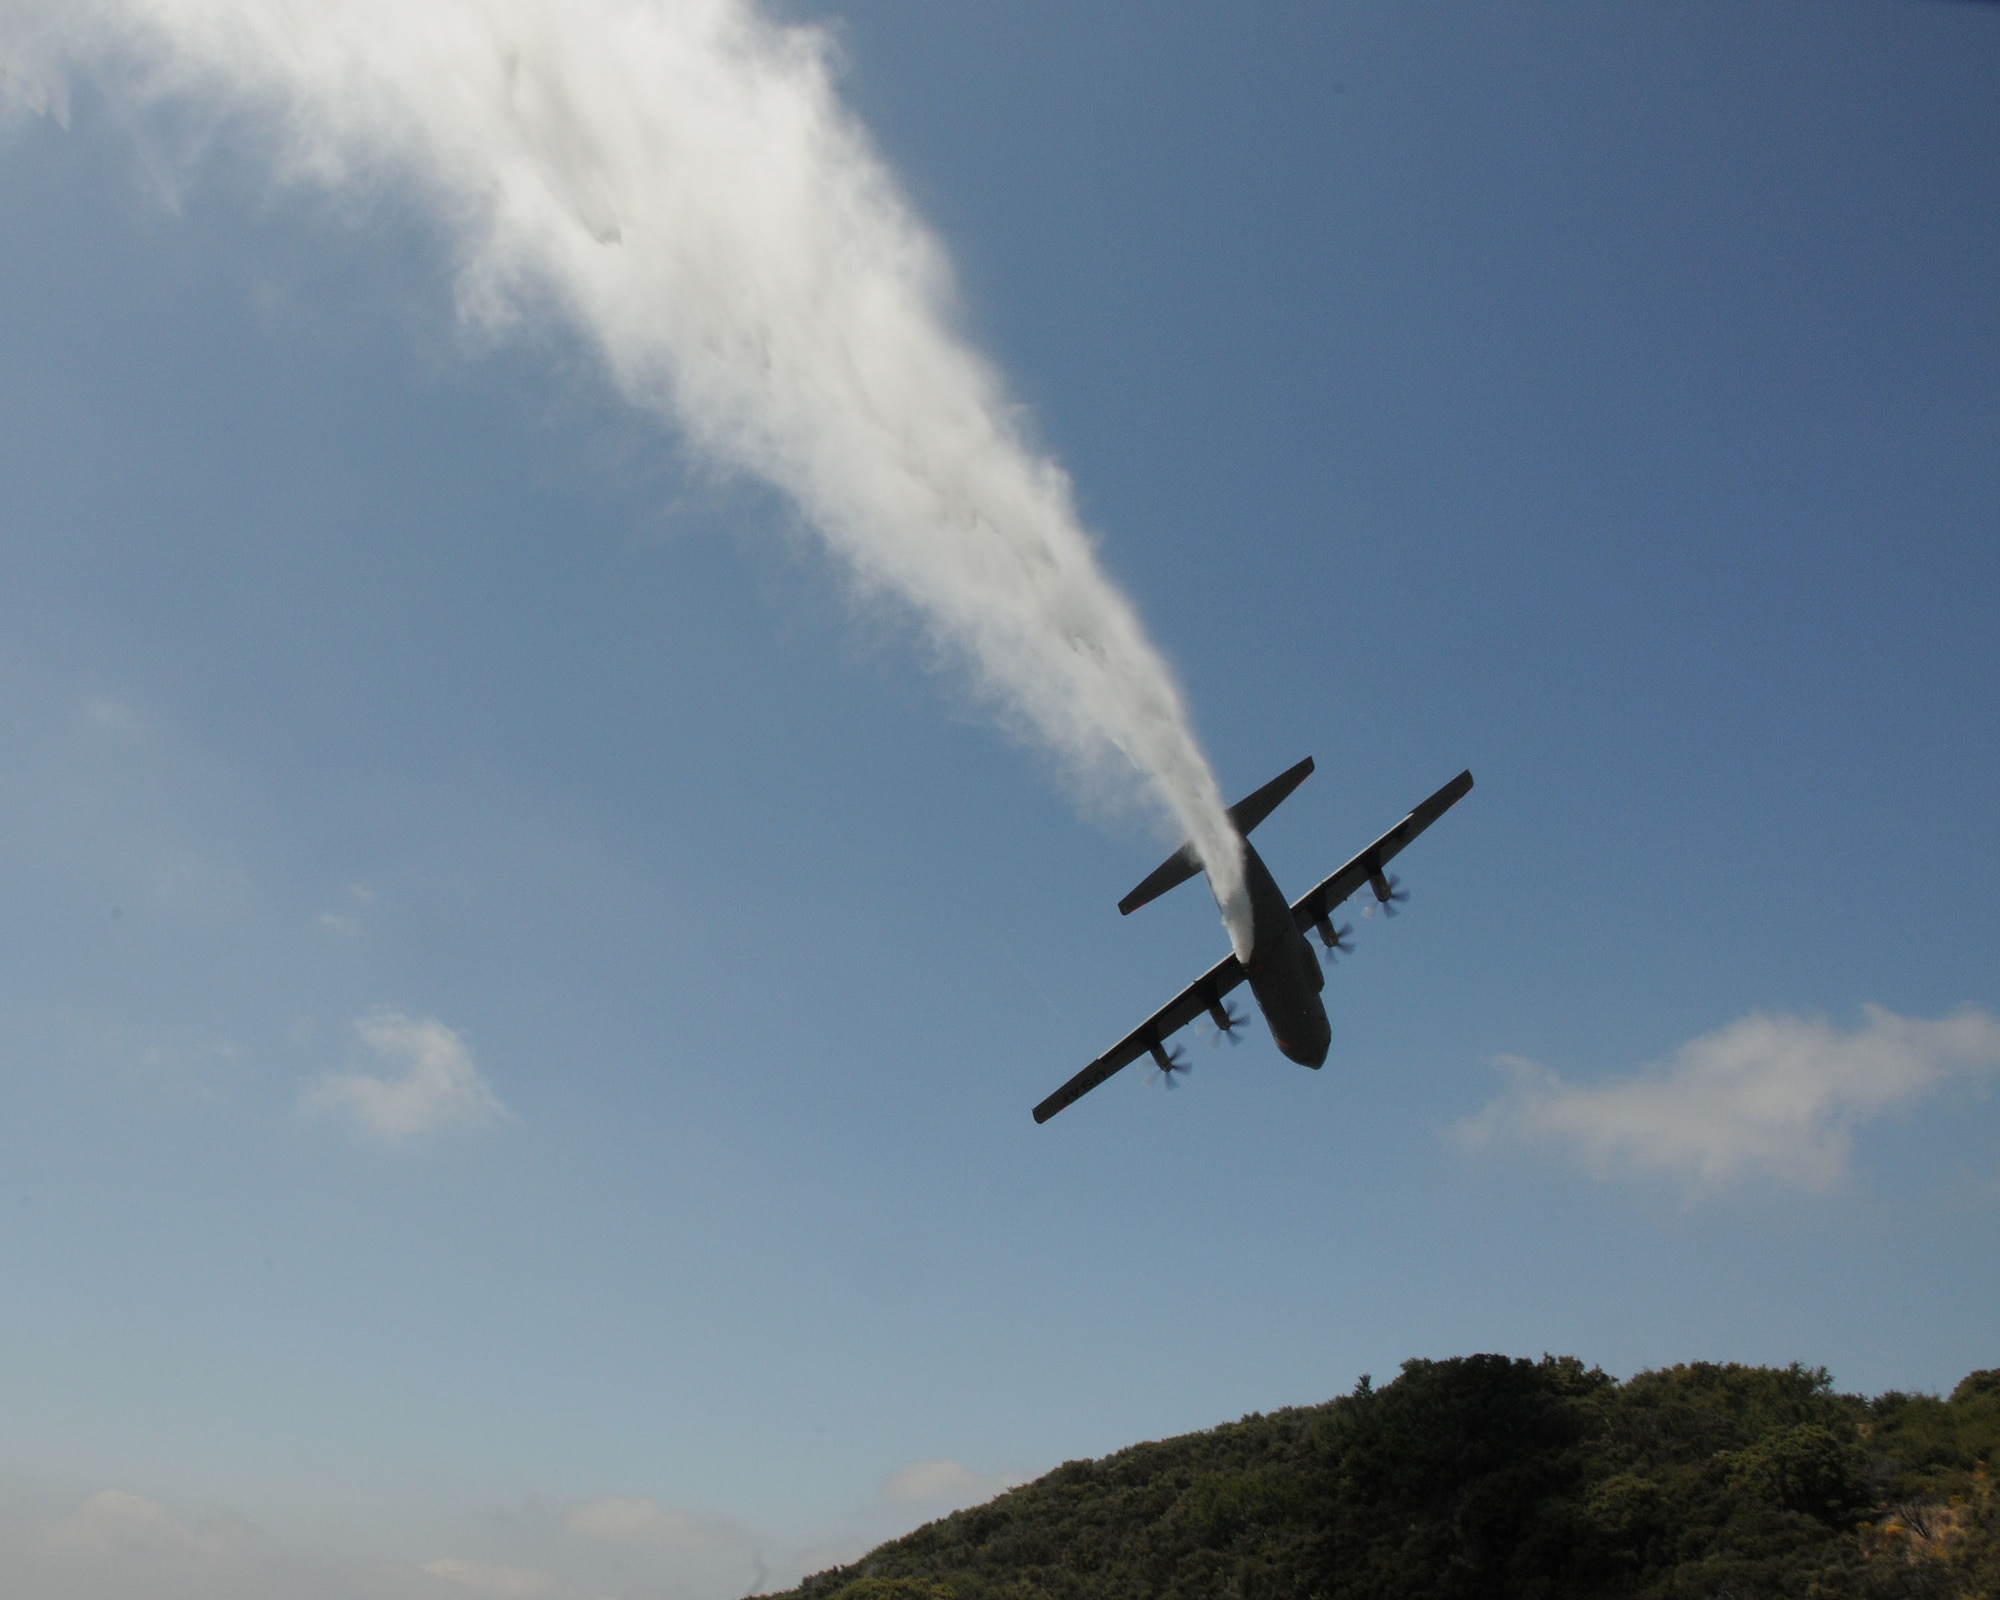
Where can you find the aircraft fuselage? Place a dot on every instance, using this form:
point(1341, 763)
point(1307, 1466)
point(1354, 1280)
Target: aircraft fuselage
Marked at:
point(1283, 971)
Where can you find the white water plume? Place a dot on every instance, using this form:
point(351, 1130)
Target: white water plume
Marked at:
point(679, 180)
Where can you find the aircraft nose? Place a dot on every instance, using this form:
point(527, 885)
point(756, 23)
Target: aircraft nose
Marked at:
point(1317, 1042)
point(1311, 1054)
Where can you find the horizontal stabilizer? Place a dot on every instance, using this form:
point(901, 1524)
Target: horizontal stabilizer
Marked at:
point(1245, 814)
point(1169, 874)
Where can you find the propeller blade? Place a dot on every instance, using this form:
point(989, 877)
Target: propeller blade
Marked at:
point(1170, 1062)
point(1390, 893)
point(1224, 1021)
point(1336, 942)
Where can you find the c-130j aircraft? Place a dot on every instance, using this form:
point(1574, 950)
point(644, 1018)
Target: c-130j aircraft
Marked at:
point(1283, 972)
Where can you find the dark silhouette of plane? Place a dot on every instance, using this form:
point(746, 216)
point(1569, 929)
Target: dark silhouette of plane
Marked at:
point(1283, 972)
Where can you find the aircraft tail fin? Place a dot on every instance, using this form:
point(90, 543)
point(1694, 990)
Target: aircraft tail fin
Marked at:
point(1254, 808)
point(1246, 814)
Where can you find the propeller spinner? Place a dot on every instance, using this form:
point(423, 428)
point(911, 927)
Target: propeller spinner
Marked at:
point(1169, 1061)
point(1337, 941)
point(1389, 893)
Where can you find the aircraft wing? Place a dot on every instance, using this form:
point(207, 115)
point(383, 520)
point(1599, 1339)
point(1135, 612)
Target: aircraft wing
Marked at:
point(1177, 1013)
point(1308, 909)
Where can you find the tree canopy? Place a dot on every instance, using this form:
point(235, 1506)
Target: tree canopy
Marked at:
point(1494, 1478)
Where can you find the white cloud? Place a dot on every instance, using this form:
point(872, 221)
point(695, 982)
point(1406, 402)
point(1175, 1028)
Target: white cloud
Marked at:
point(113, 1523)
point(499, 1582)
point(105, 712)
point(56, 1543)
point(1771, 1096)
point(347, 923)
point(116, 799)
point(439, 1086)
point(116, 1545)
point(941, 1484)
point(139, 1060)
point(646, 1522)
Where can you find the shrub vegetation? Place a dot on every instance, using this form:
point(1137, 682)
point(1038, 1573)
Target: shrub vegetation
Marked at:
point(1490, 1478)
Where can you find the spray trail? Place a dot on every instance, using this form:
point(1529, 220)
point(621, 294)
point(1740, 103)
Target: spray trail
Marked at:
point(679, 181)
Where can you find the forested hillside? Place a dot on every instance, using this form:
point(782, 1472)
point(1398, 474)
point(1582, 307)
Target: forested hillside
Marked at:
point(1486, 1477)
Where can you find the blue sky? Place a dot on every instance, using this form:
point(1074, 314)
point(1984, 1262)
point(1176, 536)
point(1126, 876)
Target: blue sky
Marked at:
point(1605, 399)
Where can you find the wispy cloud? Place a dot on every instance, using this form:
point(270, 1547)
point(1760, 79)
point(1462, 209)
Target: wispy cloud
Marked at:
point(499, 1582)
point(104, 712)
point(942, 1485)
point(140, 1061)
point(646, 1522)
point(346, 921)
point(113, 1523)
point(1770, 1096)
point(114, 1545)
point(119, 798)
point(438, 1086)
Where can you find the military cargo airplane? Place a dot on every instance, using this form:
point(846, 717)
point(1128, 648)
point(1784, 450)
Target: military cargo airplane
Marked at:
point(1283, 972)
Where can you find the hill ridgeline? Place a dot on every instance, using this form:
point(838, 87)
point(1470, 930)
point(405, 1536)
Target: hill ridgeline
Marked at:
point(1490, 1478)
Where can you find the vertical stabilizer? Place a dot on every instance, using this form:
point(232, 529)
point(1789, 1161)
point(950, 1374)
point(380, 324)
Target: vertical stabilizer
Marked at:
point(1245, 814)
